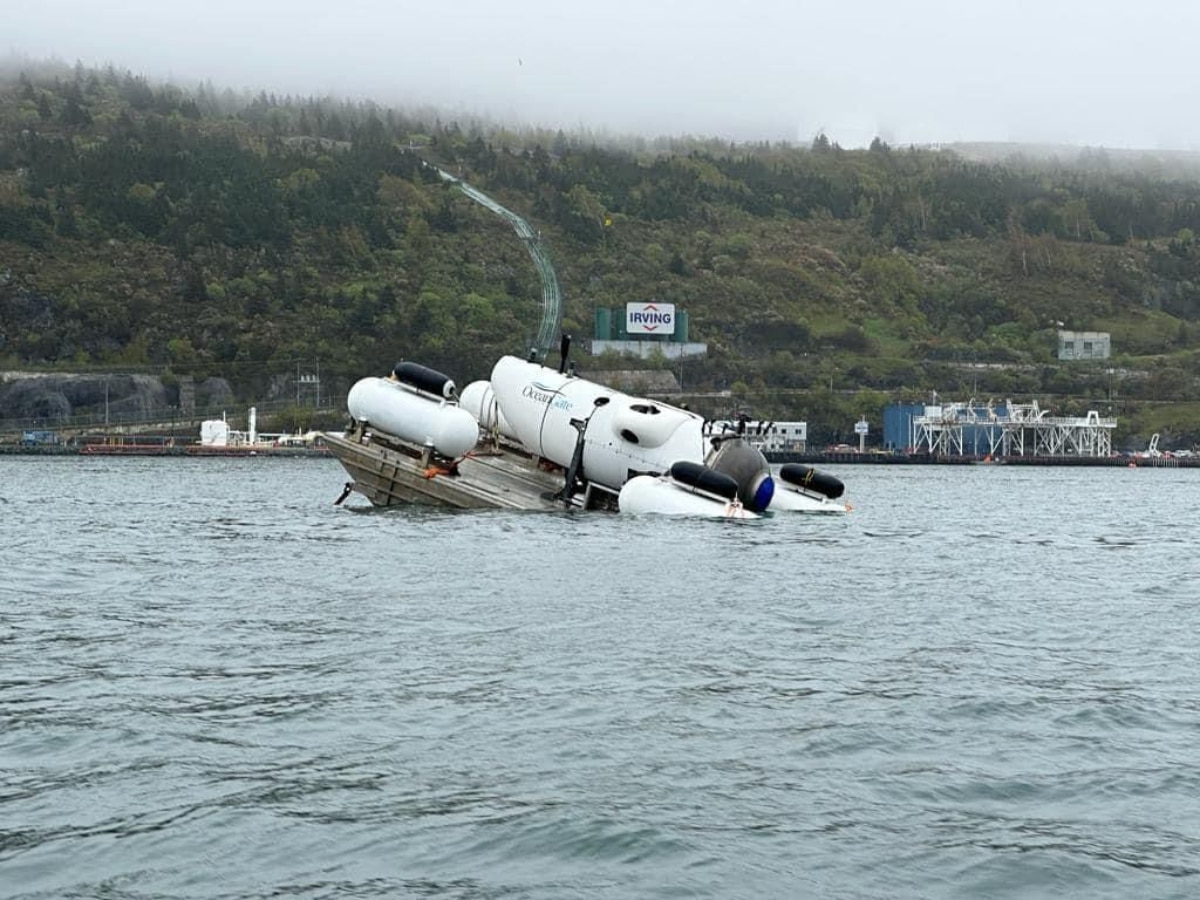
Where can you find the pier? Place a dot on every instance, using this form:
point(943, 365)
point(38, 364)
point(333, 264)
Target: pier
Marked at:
point(930, 459)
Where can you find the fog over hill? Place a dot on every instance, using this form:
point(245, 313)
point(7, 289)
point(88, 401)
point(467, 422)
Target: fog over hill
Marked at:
point(1167, 162)
point(1179, 162)
point(1160, 162)
point(1061, 72)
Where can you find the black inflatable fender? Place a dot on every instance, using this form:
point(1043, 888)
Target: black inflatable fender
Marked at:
point(810, 479)
point(701, 477)
point(425, 379)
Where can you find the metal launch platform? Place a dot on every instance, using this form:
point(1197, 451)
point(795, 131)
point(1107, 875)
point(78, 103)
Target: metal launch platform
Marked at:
point(389, 472)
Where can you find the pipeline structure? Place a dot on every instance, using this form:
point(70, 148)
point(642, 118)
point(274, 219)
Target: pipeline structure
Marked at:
point(551, 294)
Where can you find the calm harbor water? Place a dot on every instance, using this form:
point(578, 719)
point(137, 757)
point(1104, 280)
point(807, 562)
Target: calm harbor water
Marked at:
point(215, 683)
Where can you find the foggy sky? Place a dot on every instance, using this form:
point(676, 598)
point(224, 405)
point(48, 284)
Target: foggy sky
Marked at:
point(1098, 73)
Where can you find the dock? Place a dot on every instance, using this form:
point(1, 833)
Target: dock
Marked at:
point(392, 473)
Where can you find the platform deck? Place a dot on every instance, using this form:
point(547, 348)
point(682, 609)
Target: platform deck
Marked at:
point(486, 479)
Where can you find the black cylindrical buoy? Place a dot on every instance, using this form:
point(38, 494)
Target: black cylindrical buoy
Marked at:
point(703, 478)
point(425, 379)
point(810, 479)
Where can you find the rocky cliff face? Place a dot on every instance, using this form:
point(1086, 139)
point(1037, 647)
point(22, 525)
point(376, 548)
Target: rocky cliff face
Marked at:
point(54, 398)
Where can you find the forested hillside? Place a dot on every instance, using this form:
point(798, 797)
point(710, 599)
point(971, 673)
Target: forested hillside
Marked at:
point(194, 231)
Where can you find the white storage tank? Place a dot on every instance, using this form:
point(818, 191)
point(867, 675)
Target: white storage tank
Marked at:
point(214, 433)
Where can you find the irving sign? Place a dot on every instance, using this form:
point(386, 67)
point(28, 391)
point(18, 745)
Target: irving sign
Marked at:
point(650, 318)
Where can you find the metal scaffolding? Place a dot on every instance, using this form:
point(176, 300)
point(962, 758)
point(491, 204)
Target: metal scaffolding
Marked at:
point(1015, 429)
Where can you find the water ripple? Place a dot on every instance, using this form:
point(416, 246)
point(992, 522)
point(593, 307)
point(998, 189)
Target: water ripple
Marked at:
point(215, 684)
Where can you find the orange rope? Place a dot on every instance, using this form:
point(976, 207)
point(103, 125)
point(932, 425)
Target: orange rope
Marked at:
point(435, 471)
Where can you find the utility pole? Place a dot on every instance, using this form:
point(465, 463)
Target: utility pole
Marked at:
point(313, 380)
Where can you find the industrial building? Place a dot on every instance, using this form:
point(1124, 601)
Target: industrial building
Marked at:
point(1084, 345)
point(769, 437)
point(1009, 429)
point(644, 329)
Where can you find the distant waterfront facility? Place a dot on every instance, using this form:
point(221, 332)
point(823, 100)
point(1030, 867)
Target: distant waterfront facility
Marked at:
point(769, 437)
point(1009, 429)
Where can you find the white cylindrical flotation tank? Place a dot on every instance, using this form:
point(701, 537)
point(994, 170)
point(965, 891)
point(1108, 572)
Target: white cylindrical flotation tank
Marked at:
point(399, 410)
point(650, 495)
point(479, 400)
point(788, 499)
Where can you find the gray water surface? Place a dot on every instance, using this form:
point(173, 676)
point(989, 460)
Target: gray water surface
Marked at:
point(215, 683)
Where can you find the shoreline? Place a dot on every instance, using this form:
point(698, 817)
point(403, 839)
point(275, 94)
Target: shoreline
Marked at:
point(190, 451)
point(197, 451)
point(924, 459)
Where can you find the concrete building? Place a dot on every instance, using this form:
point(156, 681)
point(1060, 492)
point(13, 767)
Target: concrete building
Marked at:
point(643, 330)
point(1084, 345)
point(769, 437)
